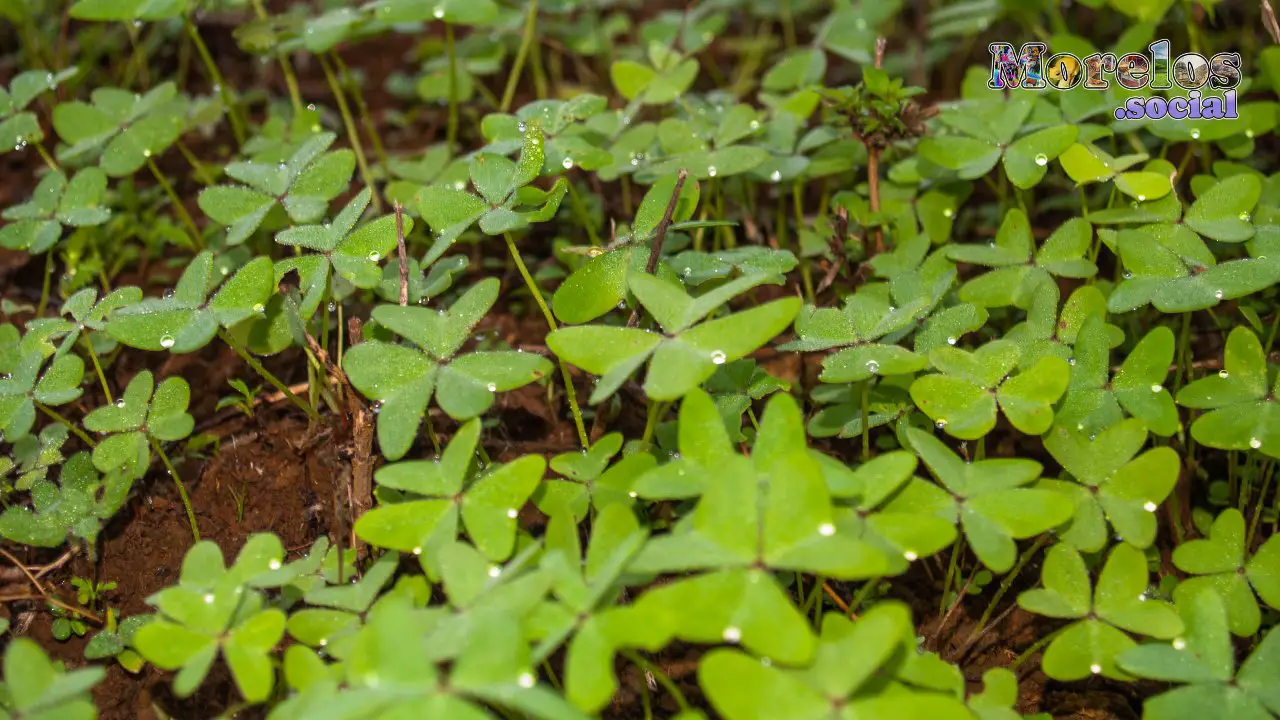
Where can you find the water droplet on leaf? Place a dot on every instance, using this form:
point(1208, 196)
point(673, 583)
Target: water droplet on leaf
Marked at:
point(1042, 159)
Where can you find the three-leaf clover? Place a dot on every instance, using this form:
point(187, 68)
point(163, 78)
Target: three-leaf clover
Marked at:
point(1243, 413)
point(1019, 267)
point(963, 397)
point(589, 481)
point(302, 179)
point(30, 377)
point(338, 246)
point(403, 378)
point(772, 510)
point(1118, 604)
point(214, 610)
point(186, 319)
point(987, 498)
point(683, 354)
point(1219, 562)
point(36, 687)
point(17, 123)
point(1161, 272)
point(437, 495)
point(75, 507)
point(1202, 662)
point(124, 129)
point(139, 418)
point(1111, 484)
point(506, 200)
point(1095, 397)
point(867, 317)
point(36, 225)
point(842, 680)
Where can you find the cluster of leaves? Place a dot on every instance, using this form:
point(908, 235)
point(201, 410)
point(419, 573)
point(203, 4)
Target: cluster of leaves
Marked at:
point(978, 375)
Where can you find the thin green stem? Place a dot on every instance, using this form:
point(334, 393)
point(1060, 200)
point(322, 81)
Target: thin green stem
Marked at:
point(286, 67)
point(579, 210)
point(75, 429)
point(266, 374)
point(863, 593)
point(451, 51)
point(47, 284)
point(182, 489)
point(658, 675)
point(1007, 582)
point(46, 157)
point(651, 422)
point(1184, 349)
point(353, 136)
point(362, 109)
point(1268, 471)
point(219, 82)
point(866, 417)
point(1036, 647)
point(97, 368)
point(530, 26)
point(570, 392)
point(178, 207)
point(951, 572)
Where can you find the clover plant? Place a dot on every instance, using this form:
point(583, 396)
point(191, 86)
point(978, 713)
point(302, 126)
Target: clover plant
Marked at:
point(741, 360)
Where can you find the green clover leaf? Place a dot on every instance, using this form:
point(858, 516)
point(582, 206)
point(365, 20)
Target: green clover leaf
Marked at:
point(1117, 605)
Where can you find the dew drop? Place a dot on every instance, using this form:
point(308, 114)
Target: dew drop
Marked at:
point(1142, 198)
point(495, 571)
point(1245, 217)
point(525, 680)
point(1095, 668)
point(717, 357)
point(512, 513)
point(1071, 361)
point(333, 307)
point(776, 176)
point(438, 12)
point(1149, 506)
point(208, 599)
point(1179, 644)
point(312, 107)
point(1222, 374)
point(460, 185)
point(1156, 388)
point(1217, 294)
point(951, 341)
point(1042, 159)
point(633, 494)
point(1248, 133)
point(755, 125)
point(120, 403)
point(1195, 134)
point(948, 212)
point(259, 308)
point(1128, 275)
point(732, 634)
point(942, 423)
point(522, 126)
point(146, 153)
point(826, 529)
point(711, 170)
point(417, 551)
point(168, 294)
point(374, 257)
point(274, 564)
point(567, 163)
point(493, 387)
point(1255, 443)
point(873, 366)
point(166, 342)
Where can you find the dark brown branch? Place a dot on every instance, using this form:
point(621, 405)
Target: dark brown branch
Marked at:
point(660, 235)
